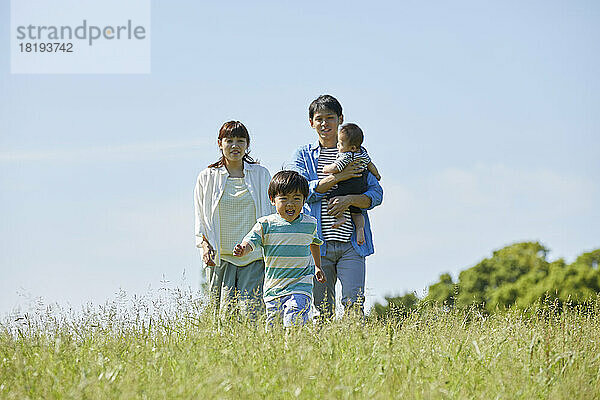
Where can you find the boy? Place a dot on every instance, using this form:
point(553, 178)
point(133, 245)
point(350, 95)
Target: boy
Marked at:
point(288, 239)
point(342, 257)
point(349, 145)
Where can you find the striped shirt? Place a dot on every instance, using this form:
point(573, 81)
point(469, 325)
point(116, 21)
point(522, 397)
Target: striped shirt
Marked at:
point(286, 247)
point(344, 232)
point(343, 159)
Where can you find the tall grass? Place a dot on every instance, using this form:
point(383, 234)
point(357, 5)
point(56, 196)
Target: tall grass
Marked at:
point(170, 346)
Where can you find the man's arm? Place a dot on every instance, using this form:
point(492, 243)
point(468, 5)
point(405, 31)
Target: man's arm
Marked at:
point(298, 164)
point(369, 199)
point(352, 170)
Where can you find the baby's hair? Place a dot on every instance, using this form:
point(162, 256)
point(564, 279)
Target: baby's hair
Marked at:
point(324, 102)
point(286, 182)
point(353, 134)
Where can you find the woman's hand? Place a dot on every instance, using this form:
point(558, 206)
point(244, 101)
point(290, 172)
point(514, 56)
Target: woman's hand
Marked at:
point(352, 170)
point(208, 253)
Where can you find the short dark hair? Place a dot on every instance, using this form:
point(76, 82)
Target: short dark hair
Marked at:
point(353, 133)
point(324, 102)
point(286, 182)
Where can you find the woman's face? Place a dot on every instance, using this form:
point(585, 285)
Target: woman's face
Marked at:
point(233, 148)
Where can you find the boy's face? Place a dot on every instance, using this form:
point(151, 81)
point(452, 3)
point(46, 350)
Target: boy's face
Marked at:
point(289, 205)
point(326, 123)
point(343, 144)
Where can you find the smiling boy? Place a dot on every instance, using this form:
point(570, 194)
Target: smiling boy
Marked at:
point(289, 239)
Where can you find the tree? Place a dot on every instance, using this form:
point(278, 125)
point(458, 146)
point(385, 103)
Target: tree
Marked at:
point(516, 275)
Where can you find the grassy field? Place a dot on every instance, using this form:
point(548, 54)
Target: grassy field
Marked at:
point(170, 347)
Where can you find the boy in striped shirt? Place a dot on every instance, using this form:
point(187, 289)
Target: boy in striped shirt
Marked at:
point(289, 239)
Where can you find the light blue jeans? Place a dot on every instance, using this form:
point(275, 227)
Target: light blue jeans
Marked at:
point(341, 262)
point(293, 308)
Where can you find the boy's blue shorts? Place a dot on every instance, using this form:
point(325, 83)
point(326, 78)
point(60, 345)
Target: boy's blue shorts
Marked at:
point(294, 309)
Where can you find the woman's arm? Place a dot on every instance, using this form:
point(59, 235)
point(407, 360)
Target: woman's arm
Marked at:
point(208, 252)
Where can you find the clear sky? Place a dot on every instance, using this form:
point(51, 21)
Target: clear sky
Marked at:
point(481, 116)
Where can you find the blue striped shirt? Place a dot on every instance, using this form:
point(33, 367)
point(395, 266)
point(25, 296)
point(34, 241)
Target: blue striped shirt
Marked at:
point(286, 247)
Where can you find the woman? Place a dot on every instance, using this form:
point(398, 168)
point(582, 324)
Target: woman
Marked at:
point(229, 196)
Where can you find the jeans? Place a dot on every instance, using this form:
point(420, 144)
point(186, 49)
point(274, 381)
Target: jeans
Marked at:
point(293, 308)
point(341, 262)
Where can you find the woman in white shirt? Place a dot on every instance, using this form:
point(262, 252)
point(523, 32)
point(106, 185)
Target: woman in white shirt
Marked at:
point(229, 197)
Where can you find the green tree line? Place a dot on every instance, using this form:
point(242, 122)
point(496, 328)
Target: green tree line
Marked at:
point(517, 275)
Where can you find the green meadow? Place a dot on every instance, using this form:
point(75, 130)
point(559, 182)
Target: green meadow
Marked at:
point(171, 346)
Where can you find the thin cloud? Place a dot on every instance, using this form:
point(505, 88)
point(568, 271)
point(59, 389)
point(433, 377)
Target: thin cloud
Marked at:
point(136, 151)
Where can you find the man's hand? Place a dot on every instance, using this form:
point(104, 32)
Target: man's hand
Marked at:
point(352, 170)
point(320, 275)
point(338, 204)
point(208, 253)
point(241, 249)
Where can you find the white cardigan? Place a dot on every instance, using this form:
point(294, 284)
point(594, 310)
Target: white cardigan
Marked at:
point(208, 191)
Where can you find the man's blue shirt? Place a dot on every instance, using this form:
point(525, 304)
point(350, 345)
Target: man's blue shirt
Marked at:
point(304, 161)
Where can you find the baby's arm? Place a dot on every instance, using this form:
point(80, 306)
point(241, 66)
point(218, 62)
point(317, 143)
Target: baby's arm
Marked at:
point(331, 169)
point(373, 169)
point(241, 249)
point(316, 253)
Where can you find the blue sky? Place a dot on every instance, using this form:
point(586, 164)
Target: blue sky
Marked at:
point(482, 118)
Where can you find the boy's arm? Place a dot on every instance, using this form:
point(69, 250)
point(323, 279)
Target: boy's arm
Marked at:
point(316, 254)
point(241, 249)
point(373, 169)
point(250, 241)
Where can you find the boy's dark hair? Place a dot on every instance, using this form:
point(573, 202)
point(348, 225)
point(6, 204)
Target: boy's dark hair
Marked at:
point(286, 182)
point(353, 133)
point(324, 102)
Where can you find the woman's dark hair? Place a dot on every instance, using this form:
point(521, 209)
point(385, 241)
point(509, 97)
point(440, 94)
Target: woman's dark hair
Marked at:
point(286, 182)
point(233, 129)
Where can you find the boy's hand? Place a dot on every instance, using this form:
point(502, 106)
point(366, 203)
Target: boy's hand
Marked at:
point(240, 249)
point(320, 275)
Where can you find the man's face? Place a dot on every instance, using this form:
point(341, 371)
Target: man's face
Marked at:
point(289, 205)
point(326, 123)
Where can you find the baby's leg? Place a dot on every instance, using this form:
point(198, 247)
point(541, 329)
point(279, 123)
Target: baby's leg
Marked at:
point(339, 221)
point(359, 223)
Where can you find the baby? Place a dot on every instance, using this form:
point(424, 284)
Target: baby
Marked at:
point(350, 138)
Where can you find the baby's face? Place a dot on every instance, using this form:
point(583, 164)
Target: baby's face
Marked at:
point(342, 144)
